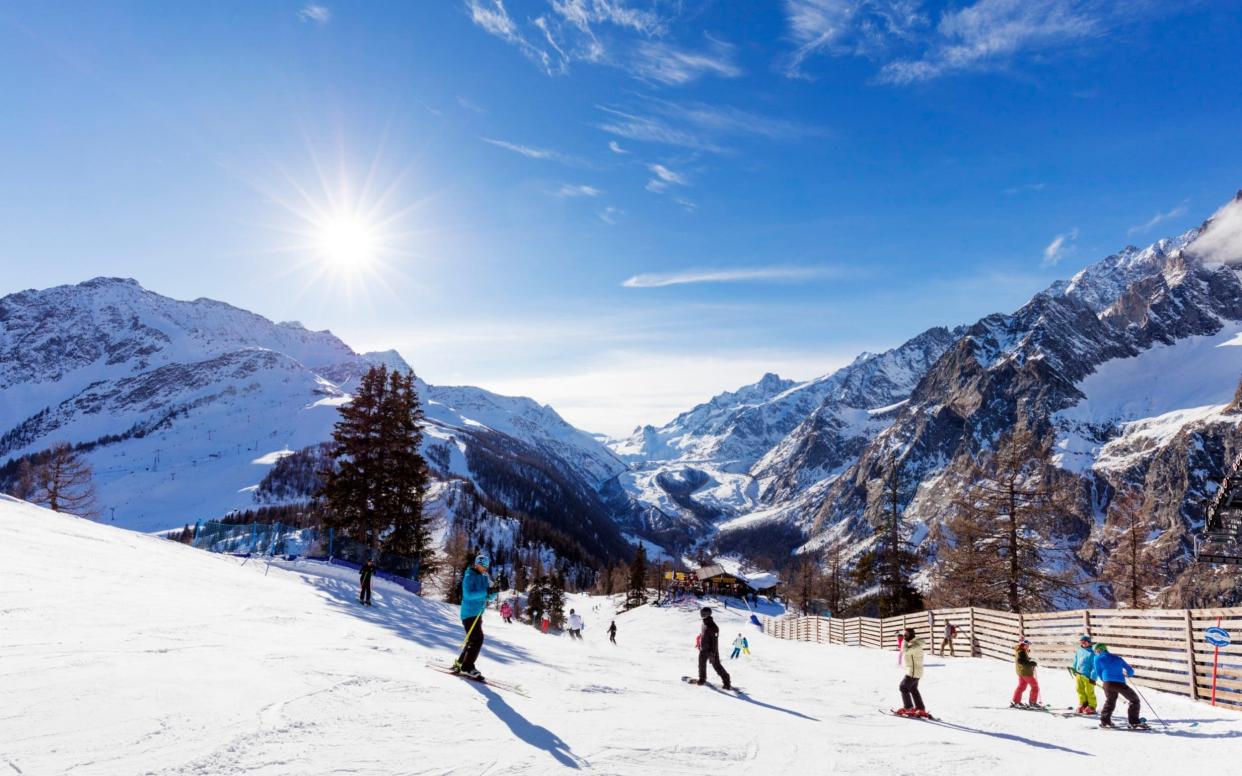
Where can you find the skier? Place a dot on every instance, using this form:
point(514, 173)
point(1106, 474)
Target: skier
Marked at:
point(545, 622)
point(1025, 668)
point(709, 648)
point(506, 612)
point(950, 632)
point(476, 592)
point(1112, 671)
point(745, 646)
point(612, 632)
point(911, 700)
point(737, 647)
point(575, 625)
point(1084, 661)
point(364, 578)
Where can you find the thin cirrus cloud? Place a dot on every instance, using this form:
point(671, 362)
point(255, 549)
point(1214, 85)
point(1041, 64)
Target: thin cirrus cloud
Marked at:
point(1157, 219)
point(663, 178)
point(912, 47)
point(572, 190)
point(1061, 246)
point(733, 275)
point(532, 152)
point(315, 13)
point(697, 125)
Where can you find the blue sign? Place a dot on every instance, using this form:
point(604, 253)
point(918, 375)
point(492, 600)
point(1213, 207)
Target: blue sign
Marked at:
point(1217, 637)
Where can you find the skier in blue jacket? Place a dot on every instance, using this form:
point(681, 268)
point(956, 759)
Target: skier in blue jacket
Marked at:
point(476, 591)
point(1112, 671)
point(1084, 660)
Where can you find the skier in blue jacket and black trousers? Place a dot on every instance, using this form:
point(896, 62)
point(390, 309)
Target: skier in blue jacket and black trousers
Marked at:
point(476, 591)
point(1112, 671)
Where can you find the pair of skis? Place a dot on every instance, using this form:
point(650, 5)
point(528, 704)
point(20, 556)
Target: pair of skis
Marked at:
point(516, 689)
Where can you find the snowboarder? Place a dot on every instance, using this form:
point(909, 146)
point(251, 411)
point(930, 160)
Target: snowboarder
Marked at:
point(1084, 661)
point(612, 632)
point(950, 632)
point(1025, 668)
point(1112, 671)
point(364, 578)
point(912, 658)
point(709, 648)
point(476, 592)
point(506, 612)
point(575, 625)
point(737, 647)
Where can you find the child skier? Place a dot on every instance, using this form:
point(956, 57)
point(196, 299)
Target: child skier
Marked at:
point(545, 622)
point(745, 646)
point(912, 660)
point(950, 631)
point(1084, 662)
point(476, 592)
point(737, 647)
point(506, 612)
point(364, 578)
point(709, 648)
point(1112, 671)
point(1025, 668)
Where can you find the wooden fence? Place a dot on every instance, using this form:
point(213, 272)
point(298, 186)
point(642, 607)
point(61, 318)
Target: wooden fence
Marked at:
point(1165, 646)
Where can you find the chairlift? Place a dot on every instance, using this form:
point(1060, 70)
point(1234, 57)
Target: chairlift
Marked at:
point(1221, 538)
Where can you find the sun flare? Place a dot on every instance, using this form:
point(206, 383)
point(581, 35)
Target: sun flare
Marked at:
point(347, 243)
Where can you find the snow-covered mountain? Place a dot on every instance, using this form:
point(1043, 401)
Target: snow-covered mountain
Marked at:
point(183, 407)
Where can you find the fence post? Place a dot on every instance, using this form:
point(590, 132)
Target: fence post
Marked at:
point(1086, 621)
point(973, 641)
point(931, 630)
point(1190, 657)
point(1021, 626)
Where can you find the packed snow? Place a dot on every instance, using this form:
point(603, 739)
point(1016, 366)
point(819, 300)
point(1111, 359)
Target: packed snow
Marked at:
point(126, 654)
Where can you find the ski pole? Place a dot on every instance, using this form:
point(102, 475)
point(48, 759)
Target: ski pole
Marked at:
point(468, 634)
point(1149, 708)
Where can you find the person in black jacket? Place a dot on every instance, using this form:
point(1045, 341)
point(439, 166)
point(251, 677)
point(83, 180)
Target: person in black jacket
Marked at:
point(612, 632)
point(364, 577)
point(709, 648)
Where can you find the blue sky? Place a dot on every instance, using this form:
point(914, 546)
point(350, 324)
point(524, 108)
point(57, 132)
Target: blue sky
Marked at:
point(619, 207)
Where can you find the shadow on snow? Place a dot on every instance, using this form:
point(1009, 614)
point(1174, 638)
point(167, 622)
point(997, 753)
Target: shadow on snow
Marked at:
point(536, 735)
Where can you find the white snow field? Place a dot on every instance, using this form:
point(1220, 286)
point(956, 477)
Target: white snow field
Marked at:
point(125, 654)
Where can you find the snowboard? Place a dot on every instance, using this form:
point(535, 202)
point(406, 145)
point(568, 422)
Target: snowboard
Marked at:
point(506, 686)
point(690, 680)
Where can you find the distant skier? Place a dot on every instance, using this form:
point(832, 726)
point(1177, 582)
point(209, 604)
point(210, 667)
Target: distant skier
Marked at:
point(1025, 668)
point(745, 646)
point(1112, 671)
point(950, 632)
point(709, 648)
point(476, 591)
point(506, 612)
point(1084, 662)
point(912, 660)
point(364, 578)
point(545, 622)
point(575, 625)
point(737, 647)
point(612, 632)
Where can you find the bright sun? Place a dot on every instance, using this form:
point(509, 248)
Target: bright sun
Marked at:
point(347, 243)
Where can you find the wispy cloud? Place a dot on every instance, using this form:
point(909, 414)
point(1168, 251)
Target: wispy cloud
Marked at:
point(1025, 188)
point(853, 27)
point(1061, 246)
point(470, 105)
point(315, 13)
point(698, 125)
point(609, 214)
point(664, 178)
point(616, 148)
point(571, 190)
point(531, 152)
point(492, 17)
point(650, 129)
point(667, 64)
point(734, 275)
point(1158, 219)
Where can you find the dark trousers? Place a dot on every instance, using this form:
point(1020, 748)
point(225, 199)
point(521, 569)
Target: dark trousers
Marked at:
point(474, 642)
point(910, 698)
point(364, 595)
point(612, 637)
point(714, 657)
point(1111, 691)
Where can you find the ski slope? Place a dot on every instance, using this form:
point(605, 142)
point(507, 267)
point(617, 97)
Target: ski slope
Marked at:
point(125, 654)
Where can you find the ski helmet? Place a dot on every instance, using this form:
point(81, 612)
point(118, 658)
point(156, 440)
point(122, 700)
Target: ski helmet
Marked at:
point(1024, 642)
point(482, 560)
point(1084, 637)
point(706, 611)
point(1101, 647)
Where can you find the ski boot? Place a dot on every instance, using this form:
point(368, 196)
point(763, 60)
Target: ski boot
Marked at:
point(1107, 723)
point(920, 713)
point(1140, 726)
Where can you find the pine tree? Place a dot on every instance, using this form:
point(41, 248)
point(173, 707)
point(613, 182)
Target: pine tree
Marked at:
point(554, 599)
point(895, 559)
point(375, 490)
point(836, 581)
point(1129, 567)
point(970, 567)
point(1015, 493)
point(62, 482)
point(638, 576)
point(806, 585)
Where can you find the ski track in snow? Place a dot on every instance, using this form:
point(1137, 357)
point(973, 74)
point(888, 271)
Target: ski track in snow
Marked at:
point(123, 654)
